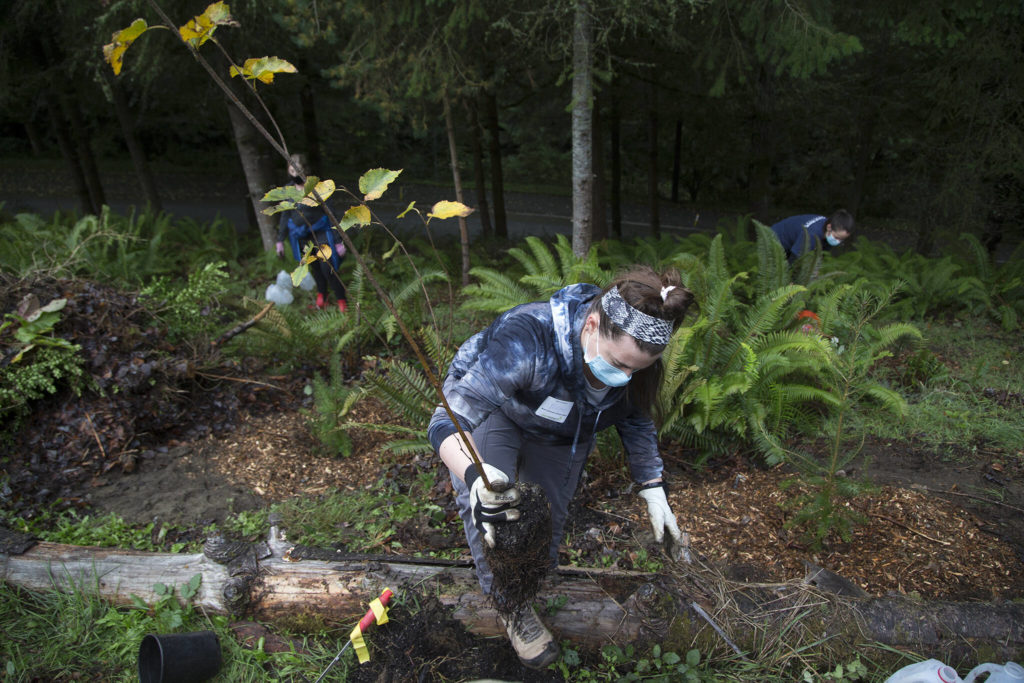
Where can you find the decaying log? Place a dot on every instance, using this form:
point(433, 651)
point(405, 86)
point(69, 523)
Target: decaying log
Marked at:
point(693, 606)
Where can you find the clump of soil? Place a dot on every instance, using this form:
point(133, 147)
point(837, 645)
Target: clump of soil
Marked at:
point(519, 559)
point(422, 641)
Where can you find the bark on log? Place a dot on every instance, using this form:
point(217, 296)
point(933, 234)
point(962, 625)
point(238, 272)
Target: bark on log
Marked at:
point(695, 606)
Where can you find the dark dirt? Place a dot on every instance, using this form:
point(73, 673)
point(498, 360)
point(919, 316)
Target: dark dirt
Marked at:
point(422, 642)
point(519, 558)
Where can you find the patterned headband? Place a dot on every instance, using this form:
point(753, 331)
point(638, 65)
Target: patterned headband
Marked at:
point(635, 323)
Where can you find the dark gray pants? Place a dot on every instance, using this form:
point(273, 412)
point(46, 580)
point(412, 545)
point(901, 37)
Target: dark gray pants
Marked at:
point(555, 468)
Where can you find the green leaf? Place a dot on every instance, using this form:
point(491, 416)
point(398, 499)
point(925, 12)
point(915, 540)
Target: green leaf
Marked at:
point(278, 208)
point(289, 192)
point(263, 69)
point(407, 209)
point(693, 658)
point(300, 273)
point(373, 183)
point(113, 52)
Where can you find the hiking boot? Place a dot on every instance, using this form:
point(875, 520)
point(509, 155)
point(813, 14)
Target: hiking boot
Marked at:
point(320, 300)
point(531, 639)
point(342, 305)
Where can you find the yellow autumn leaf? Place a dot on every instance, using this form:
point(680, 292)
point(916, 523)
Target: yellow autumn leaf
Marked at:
point(445, 209)
point(263, 69)
point(325, 188)
point(199, 29)
point(357, 215)
point(113, 52)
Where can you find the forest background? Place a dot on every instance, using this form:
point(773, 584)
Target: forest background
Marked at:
point(907, 114)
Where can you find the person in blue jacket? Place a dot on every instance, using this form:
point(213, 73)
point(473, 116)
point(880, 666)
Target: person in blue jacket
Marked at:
point(800, 234)
point(305, 224)
point(532, 391)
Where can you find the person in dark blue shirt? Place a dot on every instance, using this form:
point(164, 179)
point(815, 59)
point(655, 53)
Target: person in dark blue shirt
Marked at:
point(800, 234)
point(310, 224)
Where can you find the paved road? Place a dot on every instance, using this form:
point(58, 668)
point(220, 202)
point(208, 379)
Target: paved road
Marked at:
point(541, 215)
point(203, 199)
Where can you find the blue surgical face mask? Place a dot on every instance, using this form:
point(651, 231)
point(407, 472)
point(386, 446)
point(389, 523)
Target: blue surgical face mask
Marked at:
point(605, 372)
point(832, 241)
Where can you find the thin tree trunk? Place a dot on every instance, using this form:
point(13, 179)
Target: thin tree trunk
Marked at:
point(616, 126)
point(255, 166)
point(131, 139)
point(307, 97)
point(70, 154)
point(599, 213)
point(677, 157)
point(582, 131)
point(652, 162)
point(486, 230)
point(862, 159)
point(32, 133)
point(453, 152)
point(762, 150)
point(85, 156)
point(497, 179)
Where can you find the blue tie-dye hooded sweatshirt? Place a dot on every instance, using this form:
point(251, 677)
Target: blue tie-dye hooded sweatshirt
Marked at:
point(528, 354)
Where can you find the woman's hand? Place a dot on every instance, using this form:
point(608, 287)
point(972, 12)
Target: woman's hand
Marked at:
point(496, 504)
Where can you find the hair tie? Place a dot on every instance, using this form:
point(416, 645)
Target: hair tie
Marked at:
point(665, 291)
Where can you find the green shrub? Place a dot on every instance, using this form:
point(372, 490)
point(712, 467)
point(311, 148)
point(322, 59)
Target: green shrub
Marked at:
point(35, 362)
point(739, 373)
point(187, 308)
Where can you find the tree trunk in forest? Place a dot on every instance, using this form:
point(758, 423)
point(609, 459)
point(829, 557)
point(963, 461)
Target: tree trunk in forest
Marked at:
point(616, 126)
point(582, 140)
point(479, 180)
point(652, 162)
point(599, 212)
point(307, 97)
point(677, 157)
point(453, 152)
point(866, 124)
point(255, 166)
point(131, 140)
point(32, 133)
point(691, 604)
point(86, 158)
point(70, 154)
point(497, 179)
point(762, 150)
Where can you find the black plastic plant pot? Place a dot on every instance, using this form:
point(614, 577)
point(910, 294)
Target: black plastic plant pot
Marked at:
point(179, 657)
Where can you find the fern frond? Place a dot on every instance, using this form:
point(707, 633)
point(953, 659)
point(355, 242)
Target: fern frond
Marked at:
point(772, 269)
point(496, 292)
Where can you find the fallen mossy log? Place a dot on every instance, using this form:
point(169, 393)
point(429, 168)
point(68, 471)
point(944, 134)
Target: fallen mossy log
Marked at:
point(693, 606)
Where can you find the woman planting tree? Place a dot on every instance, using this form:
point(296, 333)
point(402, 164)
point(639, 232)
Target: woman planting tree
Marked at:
point(532, 391)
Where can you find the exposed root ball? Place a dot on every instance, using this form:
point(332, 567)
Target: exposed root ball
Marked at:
point(519, 559)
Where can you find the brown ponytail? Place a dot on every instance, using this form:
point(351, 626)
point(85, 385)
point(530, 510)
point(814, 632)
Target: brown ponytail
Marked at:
point(641, 286)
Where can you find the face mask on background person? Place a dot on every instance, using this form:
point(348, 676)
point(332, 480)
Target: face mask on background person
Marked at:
point(832, 240)
point(605, 372)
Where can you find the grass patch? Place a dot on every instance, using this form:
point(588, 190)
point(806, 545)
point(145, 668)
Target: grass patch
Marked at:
point(945, 382)
point(79, 636)
point(363, 520)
